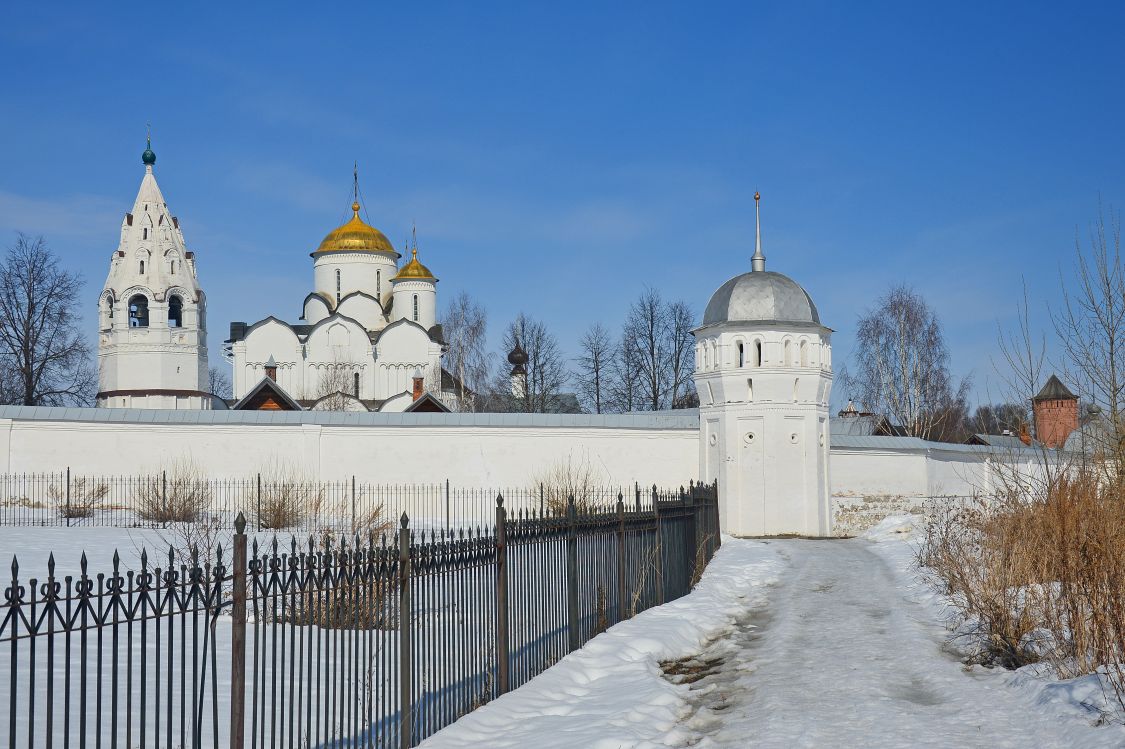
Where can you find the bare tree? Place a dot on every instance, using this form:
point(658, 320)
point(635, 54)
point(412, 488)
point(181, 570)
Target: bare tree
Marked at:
point(465, 325)
point(44, 358)
point(625, 389)
point(335, 383)
point(646, 328)
point(1091, 330)
point(547, 373)
point(902, 367)
point(218, 384)
point(592, 374)
point(681, 321)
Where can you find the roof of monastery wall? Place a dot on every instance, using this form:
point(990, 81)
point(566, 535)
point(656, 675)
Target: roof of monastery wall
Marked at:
point(680, 419)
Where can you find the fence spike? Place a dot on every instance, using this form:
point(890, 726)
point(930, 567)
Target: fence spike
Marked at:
point(171, 557)
point(240, 523)
point(15, 568)
point(499, 500)
point(51, 564)
point(404, 520)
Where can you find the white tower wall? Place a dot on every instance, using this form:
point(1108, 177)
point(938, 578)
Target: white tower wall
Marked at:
point(405, 292)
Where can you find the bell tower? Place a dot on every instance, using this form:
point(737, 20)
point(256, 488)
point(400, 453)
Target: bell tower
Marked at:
point(152, 315)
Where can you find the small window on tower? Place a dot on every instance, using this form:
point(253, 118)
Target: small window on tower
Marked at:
point(142, 267)
point(415, 308)
point(741, 354)
point(356, 384)
point(337, 287)
point(144, 234)
point(379, 284)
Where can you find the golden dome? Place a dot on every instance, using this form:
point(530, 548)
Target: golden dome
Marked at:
point(414, 270)
point(356, 236)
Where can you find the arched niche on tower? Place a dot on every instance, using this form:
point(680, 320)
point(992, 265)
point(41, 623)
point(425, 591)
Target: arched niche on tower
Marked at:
point(105, 310)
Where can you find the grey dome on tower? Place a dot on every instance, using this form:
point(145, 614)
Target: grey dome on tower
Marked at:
point(758, 296)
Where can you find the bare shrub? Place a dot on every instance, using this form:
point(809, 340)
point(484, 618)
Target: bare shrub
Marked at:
point(362, 592)
point(574, 476)
point(179, 494)
point(1043, 577)
point(86, 497)
point(287, 498)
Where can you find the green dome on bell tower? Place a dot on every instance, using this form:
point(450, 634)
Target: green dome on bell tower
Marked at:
point(148, 157)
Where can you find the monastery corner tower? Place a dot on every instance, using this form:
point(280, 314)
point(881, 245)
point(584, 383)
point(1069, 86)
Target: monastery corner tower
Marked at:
point(763, 370)
point(152, 317)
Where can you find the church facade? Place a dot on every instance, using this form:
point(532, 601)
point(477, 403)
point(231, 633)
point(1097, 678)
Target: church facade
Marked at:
point(368, 337)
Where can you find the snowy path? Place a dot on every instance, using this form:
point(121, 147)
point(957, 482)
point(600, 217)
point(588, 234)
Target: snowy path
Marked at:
point(840, 658)
point(788, 643)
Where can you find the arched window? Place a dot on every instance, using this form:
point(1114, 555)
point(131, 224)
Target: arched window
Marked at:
point(144, 233)
point(379, 285)
point(175, 312)
point(142, 267)
point(741, 354)
point(758, 354)
point(106, 311)
point(788, 354)
point(415, 308)
point(337, 286)
point(138, 311)
point(804, 353)
point(355, 384)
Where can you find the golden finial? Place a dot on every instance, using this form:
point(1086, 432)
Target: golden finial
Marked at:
point(355, 207)
point(414, 252)
point(757, 196)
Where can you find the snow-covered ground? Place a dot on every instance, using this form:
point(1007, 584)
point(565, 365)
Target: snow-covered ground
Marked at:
point(790, 643)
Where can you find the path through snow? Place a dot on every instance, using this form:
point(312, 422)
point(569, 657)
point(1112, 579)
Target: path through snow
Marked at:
point(840, 655)
point(839, 658)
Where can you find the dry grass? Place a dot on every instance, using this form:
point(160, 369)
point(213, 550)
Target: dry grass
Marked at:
point(577, 477)
point(179, 495)
point(1042, 576)
point(86, 497)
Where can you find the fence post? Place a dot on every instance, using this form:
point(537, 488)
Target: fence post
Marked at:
point(353, 504)
point(715, 509)
point(691, 532)
point(68, 496)
point(502, 664)
point(405, 649)
point(447, 524)
point(238, 636)
point(572, 572)
point(164, 495)
point(637, 488)
point(621, 607)
point(659, 548)
point(259, 501)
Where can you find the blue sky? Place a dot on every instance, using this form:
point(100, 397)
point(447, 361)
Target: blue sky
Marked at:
point(558, 160)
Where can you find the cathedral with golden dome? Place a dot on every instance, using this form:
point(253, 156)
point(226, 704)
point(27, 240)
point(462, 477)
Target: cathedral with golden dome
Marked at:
point(368, 339)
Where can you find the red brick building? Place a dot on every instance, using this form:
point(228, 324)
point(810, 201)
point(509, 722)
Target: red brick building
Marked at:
point(1056, 413)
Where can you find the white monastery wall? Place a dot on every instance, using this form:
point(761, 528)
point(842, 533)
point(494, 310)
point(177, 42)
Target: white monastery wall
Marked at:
point(871, 477)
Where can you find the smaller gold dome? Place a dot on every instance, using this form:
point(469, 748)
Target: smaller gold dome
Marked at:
point(414, 270)
point(356, 236)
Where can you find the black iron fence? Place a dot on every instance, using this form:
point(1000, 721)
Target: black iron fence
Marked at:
point(336, 640)
point(268, 501)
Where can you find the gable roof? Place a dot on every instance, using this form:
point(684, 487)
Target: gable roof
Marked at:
point(427, 403)
point(267, 391)
point(1054, 390)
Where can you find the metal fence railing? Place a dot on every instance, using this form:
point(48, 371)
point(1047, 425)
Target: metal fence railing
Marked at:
point(267, 501)
point(338, 640)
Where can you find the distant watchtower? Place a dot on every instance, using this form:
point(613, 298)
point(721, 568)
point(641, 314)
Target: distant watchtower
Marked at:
point(763, 370)
point(152, 315)
point(1056, 413)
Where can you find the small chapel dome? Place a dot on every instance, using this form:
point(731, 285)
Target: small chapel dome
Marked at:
point(356, 236)
point(414, 270)
point(149, 156)
point(758, 296)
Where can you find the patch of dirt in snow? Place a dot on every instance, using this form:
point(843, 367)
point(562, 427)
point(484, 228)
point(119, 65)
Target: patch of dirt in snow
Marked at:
point(715, 676)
